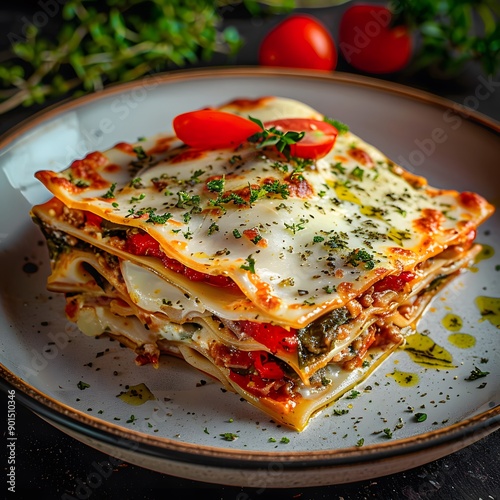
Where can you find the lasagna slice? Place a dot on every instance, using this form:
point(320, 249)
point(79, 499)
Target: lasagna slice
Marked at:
point(288, 279)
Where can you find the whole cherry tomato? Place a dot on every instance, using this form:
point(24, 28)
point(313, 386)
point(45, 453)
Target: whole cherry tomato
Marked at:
point(300, 41)
point(211, 129)
point(368, 41)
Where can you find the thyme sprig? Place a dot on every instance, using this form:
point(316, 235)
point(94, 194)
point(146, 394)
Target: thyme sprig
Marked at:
point(452, 32)
point(274, 137)
point(110, 41)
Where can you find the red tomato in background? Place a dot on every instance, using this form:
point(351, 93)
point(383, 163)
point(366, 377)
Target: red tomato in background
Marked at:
point(318, 140)
point(211, 129)
point(300, 41)
point(369, 43)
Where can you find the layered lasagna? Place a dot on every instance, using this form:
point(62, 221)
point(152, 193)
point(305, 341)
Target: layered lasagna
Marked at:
point(288, 279)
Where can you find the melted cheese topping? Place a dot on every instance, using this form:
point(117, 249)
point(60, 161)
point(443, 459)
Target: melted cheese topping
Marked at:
point(308, 244)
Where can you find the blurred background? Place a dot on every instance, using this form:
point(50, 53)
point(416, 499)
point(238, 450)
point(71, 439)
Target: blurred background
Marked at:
point(52, 50)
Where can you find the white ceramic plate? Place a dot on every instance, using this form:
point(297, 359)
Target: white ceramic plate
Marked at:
point(179, 432)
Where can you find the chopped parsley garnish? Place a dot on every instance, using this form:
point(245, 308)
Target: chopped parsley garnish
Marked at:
point(360, 442)
point(344, 411)
point(82, 385)
point(337, 241)
point(277, 188)
point(476, 373)
point(135, 199)
point(272, 188)
point(140, 153)
point(136, 183)
point(388, 433)
point(78, 182)
point(358, 256)
point(195, 178)
point(284, 440)
point(228, 436)
point(353, 394)
point(186, 200)
point(216, 185)
point(236, 234)
point(420, 417)
point(213, 228)
point(338, 166)
point(250, 264)
point(358, 173)
point(153, 218)
point(110, 193)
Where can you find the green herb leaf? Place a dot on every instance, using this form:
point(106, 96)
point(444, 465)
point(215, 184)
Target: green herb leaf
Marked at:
point(250, 265)
point(274, 137)
point(358, 256)
point(229, 436)
point(106, 42)
point(110, 193)
point(341, 127)
point(476, 373)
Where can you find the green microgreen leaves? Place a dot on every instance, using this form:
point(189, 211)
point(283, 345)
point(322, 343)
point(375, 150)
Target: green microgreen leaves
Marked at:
point(275, 137)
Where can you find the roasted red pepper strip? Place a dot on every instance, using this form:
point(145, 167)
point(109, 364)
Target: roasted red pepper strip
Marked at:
point(273, 337)
point(393, 282)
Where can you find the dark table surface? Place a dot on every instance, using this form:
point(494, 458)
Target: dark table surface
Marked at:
point(52, 465)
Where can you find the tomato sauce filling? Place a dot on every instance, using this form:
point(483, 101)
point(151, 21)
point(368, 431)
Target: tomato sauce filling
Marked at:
point(142, 244)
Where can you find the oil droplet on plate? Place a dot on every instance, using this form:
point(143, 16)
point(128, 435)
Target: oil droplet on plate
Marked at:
point(405, 379)
point(136, 395)
point(486, 252)
point(452, 322)
point(425, 352)
point(462, 340)
point(489, 307)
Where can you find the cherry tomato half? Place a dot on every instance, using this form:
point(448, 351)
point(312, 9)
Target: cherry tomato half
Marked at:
point(300, 41)
point(212, 129)
point(369, 43)
point(318, 140)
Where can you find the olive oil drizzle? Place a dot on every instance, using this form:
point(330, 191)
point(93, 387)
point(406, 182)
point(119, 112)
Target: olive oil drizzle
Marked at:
point(425, 352)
